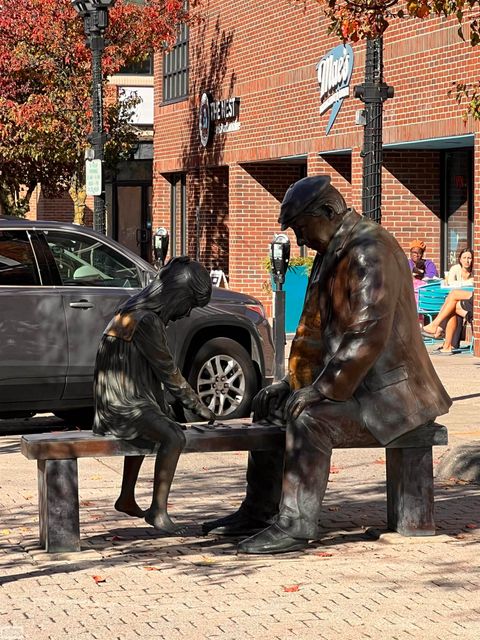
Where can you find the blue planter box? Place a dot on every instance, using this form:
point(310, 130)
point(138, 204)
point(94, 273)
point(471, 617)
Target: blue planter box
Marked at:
point(295, 287)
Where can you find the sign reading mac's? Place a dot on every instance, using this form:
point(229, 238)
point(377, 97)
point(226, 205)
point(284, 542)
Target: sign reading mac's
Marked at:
point(334, 75)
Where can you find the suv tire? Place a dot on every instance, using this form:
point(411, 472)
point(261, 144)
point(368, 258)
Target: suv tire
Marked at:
point(224, 377)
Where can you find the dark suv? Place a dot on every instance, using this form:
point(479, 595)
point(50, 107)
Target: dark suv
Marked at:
point(59, 286)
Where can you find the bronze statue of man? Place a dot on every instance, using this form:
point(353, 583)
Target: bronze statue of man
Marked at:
point(133, 371)
point(358, 372)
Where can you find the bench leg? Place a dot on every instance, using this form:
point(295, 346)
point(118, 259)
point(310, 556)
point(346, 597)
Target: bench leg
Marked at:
point(58, 505)
point(410, 491)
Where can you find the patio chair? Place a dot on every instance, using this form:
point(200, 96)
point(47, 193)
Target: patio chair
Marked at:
point(430, 299)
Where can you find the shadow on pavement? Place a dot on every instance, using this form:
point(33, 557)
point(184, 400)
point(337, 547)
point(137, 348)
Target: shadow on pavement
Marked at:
point(352, 518)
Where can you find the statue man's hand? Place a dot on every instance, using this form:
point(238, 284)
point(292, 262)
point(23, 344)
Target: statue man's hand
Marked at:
point(269, 399)
point(300, 400)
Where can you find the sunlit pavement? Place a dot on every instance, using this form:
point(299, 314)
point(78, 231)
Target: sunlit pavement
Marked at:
point(356, 582)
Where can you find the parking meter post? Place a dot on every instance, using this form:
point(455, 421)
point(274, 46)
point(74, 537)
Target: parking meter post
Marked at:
point(279, 333)
point(280, 258)
point(161, 239)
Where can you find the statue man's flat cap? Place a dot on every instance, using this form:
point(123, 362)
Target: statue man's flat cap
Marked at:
point(299, 196)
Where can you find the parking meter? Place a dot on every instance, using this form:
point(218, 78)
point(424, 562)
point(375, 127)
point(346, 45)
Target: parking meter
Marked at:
point(280, 257)
point(160, 245)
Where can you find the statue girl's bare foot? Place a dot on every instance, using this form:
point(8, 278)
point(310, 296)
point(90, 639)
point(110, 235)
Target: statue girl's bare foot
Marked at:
point(162, 522)
point(130, 507)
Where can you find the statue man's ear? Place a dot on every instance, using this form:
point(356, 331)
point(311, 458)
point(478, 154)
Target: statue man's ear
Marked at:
point(329, 212)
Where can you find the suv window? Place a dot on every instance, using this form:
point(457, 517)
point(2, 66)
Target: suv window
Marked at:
point(17, 262)
point(86, 262)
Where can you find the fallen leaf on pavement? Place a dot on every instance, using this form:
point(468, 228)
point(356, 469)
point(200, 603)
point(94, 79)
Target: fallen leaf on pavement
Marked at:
point(379, 461)
point(152, 568)
point(205, 560)
point(99, 579)
point(471, 526)
point(86, 503)
point(335, 470)
point(291, 588)
point(5, 532)
point(322, 554)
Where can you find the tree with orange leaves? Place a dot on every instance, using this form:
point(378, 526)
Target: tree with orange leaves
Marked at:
point(45, 80)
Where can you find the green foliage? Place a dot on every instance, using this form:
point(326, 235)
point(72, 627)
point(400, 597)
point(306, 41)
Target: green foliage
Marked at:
point(296, 263)
point(302, 264)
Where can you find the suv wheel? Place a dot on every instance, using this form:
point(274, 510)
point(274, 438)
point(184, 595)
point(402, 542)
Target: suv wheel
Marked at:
point(224, 378)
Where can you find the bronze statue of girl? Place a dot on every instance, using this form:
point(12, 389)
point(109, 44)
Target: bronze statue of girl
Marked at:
point(134, 369)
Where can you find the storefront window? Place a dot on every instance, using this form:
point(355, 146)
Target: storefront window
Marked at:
point(458, 206)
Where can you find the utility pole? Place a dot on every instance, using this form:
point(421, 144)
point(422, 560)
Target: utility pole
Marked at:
point(373, 92)
point(95, 20)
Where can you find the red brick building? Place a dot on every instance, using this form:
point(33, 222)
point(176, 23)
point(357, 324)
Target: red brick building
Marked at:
point(257, 63)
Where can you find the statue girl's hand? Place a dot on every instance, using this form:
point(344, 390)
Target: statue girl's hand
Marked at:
point(204, 413)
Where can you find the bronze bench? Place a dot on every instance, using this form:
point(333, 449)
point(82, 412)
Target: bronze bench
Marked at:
point(409, 467)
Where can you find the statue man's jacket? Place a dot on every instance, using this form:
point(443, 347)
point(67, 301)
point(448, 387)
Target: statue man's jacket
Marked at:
point(358, 336)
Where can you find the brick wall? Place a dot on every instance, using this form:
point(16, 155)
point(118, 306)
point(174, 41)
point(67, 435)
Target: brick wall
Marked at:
point(256, 191)
point(476, 248)
point(411, 198)
point(268, 59)
point(60, 208)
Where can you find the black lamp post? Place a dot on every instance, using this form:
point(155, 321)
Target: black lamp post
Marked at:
point(95, 18)
point(373, 92)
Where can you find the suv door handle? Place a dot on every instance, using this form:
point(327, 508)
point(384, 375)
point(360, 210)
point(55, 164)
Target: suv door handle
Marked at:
point(82, 304)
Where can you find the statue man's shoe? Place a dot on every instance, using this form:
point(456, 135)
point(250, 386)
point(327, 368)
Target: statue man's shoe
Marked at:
point(271, 540)
point(236, 524)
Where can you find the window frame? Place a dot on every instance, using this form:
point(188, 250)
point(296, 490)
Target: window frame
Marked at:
point(115, 254)
point(175, 68)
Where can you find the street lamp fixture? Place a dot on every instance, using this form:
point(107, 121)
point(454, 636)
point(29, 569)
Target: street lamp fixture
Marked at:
point(95, 20)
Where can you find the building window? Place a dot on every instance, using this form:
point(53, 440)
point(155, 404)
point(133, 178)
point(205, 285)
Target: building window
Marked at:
point(175, 68)
point(457, 204)
point(178, 214)
point(140, 68)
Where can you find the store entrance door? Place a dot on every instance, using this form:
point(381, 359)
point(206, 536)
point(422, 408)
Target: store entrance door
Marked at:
point(134, 218)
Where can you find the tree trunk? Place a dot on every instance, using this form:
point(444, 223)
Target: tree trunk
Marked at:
point(78, 193)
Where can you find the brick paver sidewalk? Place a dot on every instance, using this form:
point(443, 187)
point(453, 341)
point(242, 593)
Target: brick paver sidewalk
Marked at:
point(353, 584)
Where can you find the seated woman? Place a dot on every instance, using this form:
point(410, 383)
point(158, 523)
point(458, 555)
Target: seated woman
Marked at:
point(461, 274)
point(420, 267)
point(458, 304)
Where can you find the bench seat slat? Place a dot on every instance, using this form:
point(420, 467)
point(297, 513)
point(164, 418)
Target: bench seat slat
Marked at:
point(233, 437)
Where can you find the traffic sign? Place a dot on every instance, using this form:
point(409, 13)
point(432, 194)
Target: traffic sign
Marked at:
point(93, 177)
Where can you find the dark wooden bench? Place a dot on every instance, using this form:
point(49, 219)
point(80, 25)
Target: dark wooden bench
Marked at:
point(409, 468)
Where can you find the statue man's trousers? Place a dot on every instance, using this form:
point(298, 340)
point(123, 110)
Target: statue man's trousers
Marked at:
point(306, 467)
